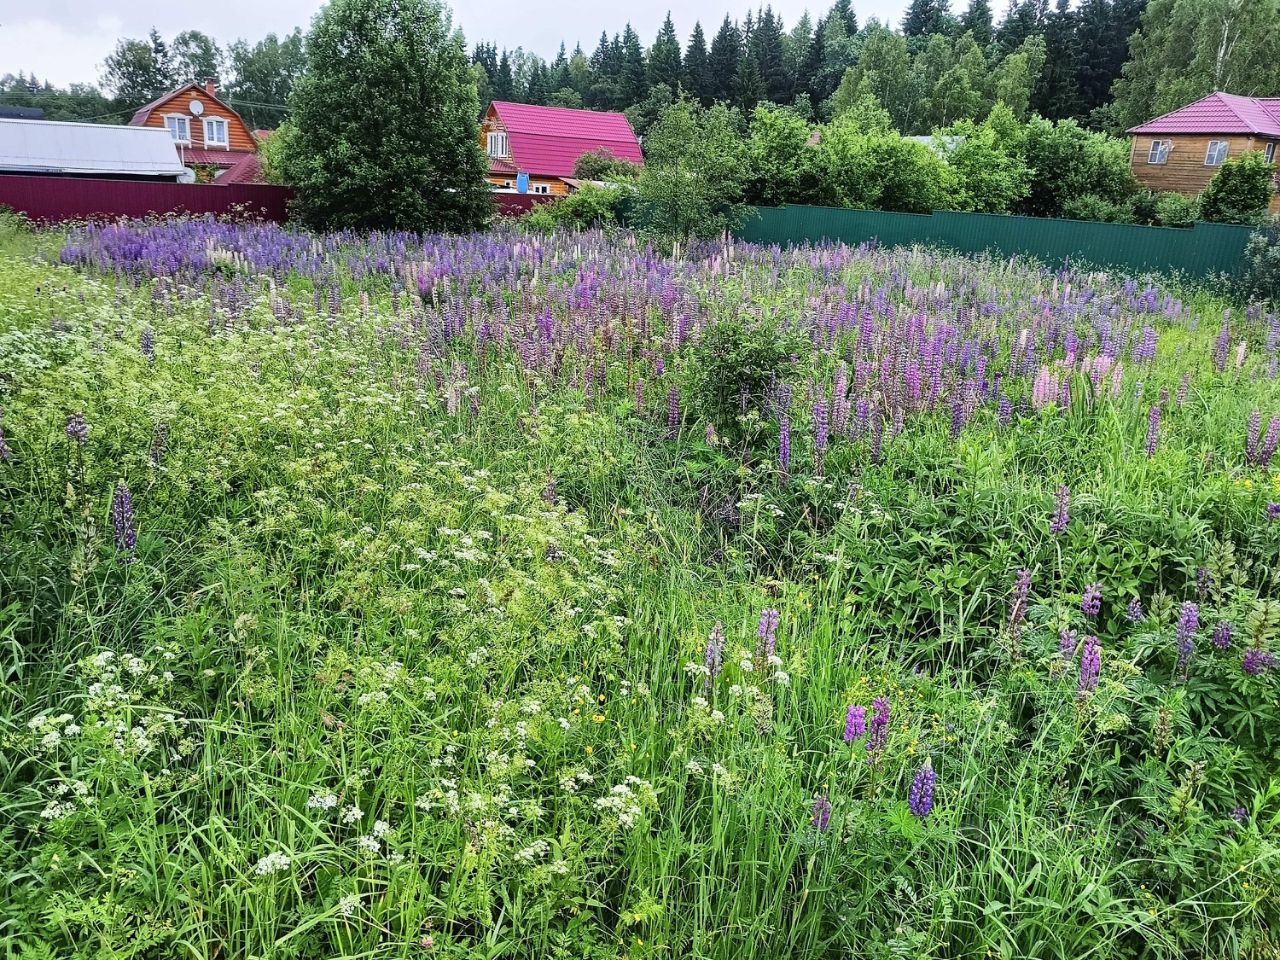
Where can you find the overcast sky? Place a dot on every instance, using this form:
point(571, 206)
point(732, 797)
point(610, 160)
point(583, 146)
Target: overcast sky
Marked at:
point(65, 41)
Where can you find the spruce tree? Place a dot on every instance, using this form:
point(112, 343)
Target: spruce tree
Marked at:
point(387, 122)
point(978, 21)
point(767, 51)
point(504, 83)
point(726, 51)
point(1057, 95)
point(633, 83)
point(697, 70)
point(924, 17)
point(664, 57)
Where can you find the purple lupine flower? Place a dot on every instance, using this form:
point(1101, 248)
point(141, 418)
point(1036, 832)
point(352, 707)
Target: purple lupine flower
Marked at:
point(1153, 430)
point(1269, 444)
point(640, 395)
point(1135, 613)
point(767, 633)
point(1223, 345)
point(879, 735)
point(1184, 388)
point(784, 444)
point(713, 656)
point(1067, 640)
point(1258, 661)
point(1188, 624)
point(920, 800)
point(1021, 589)
point(1239, 815)
point(147, 343)
point(673, 411)
point(1253, 437)
point(1091, 600)
point(159, 443)
point(1204, 582)
point(855, 723)
point(1090, 666)
point(1222, 634)
point(1004, 411)
point(1059, 523)
point(821, 813)
point(5, 453)
point(78, 429)
point(821, 432)
point(1273, 511)
point(122, 520)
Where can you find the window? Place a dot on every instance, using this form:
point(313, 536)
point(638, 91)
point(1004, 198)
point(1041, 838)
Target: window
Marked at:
point(215, 132)
point(540, 188)
point(1270, 155)
point(498, 144)
point(179, 127)
point(1216, 153)
point(1159, 152)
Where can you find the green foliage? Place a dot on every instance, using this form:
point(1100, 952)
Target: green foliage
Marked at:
point(588, 206)
point(881, 171)
point(780, 159)
point(600, 164)
point(1090, 206)
point(272, 152)
point(693, 177)
point(989, 178)
point(1177, 210)
point(734, 365)
point(1262, 276)
point(1069, 162)
point(1240, 191)
point(387, 134)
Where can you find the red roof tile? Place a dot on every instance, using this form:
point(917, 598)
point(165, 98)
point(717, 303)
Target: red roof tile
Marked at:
point(549, 140)
point(247, 169)
point(1220, 113)
point(216, 158)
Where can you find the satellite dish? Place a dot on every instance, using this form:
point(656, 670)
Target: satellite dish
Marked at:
point(196, 107)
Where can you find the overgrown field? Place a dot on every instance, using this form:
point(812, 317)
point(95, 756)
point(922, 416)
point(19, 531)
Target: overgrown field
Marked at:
point(501, 596)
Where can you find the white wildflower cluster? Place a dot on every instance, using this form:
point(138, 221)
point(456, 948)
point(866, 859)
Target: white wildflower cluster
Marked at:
point(574, 780)
point(444, 798)
point(350, 814)
point(322, 801)
point(51, 730)
point(625, 802)
point(272, 863)
point(68, 796)
point(349, 904)
point(533, 852)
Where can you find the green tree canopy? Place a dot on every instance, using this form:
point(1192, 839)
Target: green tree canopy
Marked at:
point(387, 121)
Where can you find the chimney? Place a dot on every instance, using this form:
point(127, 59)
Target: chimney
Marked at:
point(211, 87)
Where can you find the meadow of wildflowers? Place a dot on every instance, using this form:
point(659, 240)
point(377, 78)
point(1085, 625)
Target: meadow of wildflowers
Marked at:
point(547, 596)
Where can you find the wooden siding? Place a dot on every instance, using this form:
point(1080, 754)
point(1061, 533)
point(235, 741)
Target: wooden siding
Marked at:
point(239, 137)
point(555, 186)
point(1186, 171)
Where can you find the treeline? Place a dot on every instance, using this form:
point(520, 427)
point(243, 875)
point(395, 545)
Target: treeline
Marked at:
point(1108, 64)
point(256, 78)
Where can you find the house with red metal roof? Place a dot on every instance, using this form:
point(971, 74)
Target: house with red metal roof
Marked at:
point(1182, 150)
point(212, 139)
point(544, 143)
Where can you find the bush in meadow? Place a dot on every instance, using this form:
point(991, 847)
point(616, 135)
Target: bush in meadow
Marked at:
point(1241, 190)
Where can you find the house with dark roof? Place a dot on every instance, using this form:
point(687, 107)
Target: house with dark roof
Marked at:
point(534, 149)
point(1182, 150)
point(212, 139)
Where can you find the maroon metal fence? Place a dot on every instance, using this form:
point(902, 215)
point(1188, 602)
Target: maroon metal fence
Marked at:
point(55, 199)
point(72, 198)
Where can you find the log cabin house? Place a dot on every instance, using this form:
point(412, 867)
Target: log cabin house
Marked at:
point(212, 139)
point(542, 144)
point(1182, 150)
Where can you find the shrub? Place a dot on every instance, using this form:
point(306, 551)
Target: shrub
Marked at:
point(1092, 207)
point(780, 162)
point(600, 164)
point(881, 171)
point(589, 206)
point(989, 179)
point(1262, 269)
point(1240, 191)
point(1177, 210)
point(1070, 163)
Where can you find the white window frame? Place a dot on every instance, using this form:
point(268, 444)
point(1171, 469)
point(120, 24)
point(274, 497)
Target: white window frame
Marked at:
point(212, 122)
point(174, 121)
point(1159, 151)
point(497, 144)
point(1216, 153)
point(1270, 153)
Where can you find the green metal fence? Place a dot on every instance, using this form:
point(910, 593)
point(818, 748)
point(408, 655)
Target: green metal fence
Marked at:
point(1198, 251)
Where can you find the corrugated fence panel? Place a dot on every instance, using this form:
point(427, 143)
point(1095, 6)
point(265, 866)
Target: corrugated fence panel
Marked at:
point(55, 199)
point(1202, 250)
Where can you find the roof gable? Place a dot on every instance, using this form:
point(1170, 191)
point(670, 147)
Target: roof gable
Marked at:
point(142, 114)
point(549, 140)
point(1220, 113)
